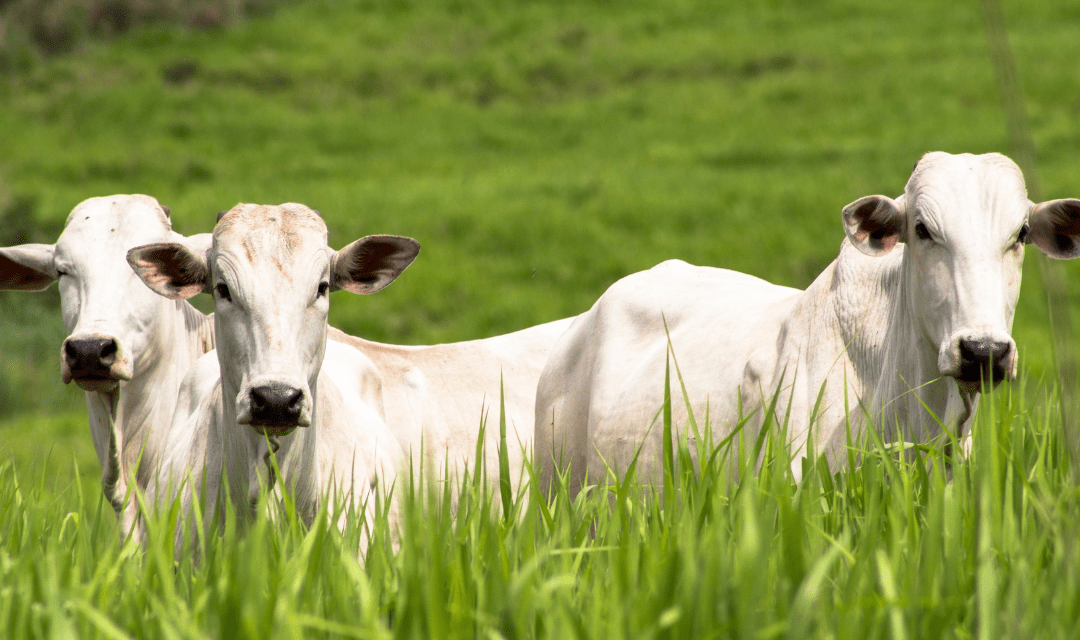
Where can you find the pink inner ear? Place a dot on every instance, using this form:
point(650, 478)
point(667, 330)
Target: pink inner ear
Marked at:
point(153, 276)
point(189, 291)
point(360, 287)
point(164, 267)
point(876, 224)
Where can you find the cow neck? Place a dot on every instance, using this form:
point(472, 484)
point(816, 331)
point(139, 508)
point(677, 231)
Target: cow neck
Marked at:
point(144, 409)
point(910, 377)
point(838, 329)
point(247, 454)
point(874, 302)
point(101, 407)
point(866, 307)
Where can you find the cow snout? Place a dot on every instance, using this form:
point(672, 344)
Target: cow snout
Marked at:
point(91, 363)
point(985, 359)
point(276, 405)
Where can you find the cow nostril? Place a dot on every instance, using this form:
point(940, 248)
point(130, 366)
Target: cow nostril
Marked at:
point(262, 397)
point(294, 400)
point(258, 400)
point(108, 350)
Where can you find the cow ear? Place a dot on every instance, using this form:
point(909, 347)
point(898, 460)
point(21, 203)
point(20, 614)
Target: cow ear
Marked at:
point(371, 263)
point(27, 267)
point(875, 224)
point(171, 269)
point(1055, 227)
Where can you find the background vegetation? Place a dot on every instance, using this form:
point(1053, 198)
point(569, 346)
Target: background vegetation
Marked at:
point(30, 29)
point(538, 151)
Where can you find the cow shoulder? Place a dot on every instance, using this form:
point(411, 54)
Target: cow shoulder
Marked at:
point(192, 443)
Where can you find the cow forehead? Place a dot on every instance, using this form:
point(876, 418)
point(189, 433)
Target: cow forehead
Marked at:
point(988, 183)
point(290, 223)
point(121, 222)
point(289, 236)
point(133, 208)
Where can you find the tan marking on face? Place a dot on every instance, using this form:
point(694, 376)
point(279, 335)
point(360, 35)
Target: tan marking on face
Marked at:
point(286, 224)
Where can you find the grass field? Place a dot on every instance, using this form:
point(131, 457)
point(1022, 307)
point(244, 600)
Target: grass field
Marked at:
point(887, 548)
point(539, 151)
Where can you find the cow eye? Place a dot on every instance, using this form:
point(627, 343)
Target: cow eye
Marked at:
point(324, 288)
point(921, 232)
point(1022, 237)
point(222, 291)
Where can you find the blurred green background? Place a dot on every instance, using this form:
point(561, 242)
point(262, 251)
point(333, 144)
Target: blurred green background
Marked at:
point(538, 150)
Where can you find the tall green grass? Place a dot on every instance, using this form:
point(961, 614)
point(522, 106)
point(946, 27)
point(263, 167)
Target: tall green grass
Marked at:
point(898, 546)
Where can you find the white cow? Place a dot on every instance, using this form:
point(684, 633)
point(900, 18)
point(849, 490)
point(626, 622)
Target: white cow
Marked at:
point(433, 398)
point(267, 386)
point(917, 308)
point(126, 347)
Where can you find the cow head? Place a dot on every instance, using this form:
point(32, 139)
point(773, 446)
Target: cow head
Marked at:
point(964, 220)
point(270, 272)
point(108, 313)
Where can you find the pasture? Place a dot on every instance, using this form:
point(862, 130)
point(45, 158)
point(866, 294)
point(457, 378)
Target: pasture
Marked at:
point(539, 151)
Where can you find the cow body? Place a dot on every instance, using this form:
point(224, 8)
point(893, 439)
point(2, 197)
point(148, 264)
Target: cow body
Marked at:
point(904, 325)
point(434, 398)
point(126, 347)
